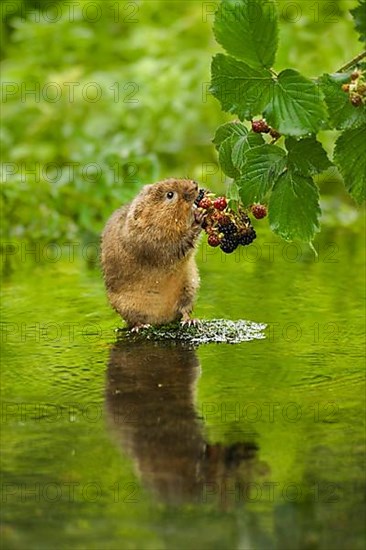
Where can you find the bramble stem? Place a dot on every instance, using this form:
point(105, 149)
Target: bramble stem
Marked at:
point(353, 62)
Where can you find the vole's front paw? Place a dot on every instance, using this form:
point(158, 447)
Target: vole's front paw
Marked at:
point(139, 327)
point(199, 216)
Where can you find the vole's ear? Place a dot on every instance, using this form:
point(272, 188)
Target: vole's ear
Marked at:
point(147, 187)
point(137, 205)
point(145, 190)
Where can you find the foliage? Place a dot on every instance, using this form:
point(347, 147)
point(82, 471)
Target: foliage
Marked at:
point(359, 14)
point(279, 167)
point(68, 161)
point(91, 156)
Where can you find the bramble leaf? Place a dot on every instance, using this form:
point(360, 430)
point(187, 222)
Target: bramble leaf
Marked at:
point(306, 156)
point(233, 192)
point(227, 130)
point(350, 157)
point(262, 167)
point(248, 30)
point(294, 207)
point(243, 144)
point(239, 88)
point(359, 16)
point(232, 141)
point(342, 114)
point(296, 107)
point(225, 160)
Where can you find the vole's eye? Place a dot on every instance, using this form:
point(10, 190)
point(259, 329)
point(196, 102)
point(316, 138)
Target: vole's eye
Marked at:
point(170, 195)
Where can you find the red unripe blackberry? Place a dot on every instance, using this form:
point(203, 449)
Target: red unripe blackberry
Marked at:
point(259, 126)
point(213, 240)
point(259, 211)
point(220, 203)
point(345, 87)
point(205, 203)
point(222, 219)
point(355, 75)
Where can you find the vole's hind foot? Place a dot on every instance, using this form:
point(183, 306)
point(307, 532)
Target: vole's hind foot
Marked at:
point(188, 322)
point(140, 326)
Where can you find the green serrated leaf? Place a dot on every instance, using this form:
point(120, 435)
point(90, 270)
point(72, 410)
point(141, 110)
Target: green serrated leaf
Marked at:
point(350, 157)
point(306, 156)
point(342, 114)
point(359, 16)
point(233, 196)
point(227, 130)
point(226, 163)
point(242, 144)
point(294, 207)
point(248, 30)
point(233, 192)
point(262, 167)
point(239, 88)
point(296, 107)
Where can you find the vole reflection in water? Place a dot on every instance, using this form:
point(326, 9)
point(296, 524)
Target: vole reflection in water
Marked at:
point(150, 406)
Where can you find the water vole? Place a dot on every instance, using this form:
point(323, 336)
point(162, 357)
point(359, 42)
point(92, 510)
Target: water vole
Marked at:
point(148, 251)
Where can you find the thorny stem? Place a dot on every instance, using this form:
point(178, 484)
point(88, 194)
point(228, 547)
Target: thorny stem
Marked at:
point(353, 62)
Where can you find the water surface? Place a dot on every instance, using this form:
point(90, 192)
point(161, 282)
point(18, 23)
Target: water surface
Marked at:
point(147, 445)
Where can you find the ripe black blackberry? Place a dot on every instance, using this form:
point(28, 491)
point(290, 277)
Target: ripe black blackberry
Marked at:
point(228, 228)
point(247, 236)
point(200, 196)
point(229, 243)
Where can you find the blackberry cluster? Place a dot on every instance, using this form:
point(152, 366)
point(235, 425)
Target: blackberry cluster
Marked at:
point(247, 236)
point(225, 227)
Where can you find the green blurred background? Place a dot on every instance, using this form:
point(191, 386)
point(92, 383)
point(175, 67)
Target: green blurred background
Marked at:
point(101, 97)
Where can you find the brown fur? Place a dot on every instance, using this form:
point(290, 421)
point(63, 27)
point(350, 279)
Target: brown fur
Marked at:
point(148, 254)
